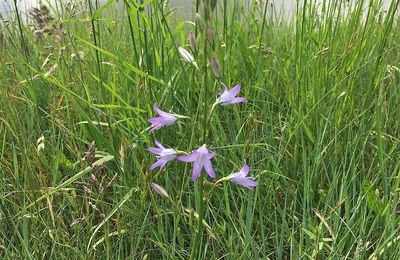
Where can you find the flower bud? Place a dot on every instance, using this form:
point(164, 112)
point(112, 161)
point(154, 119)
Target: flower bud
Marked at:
point(198, 19)
point(160, 190)
point(210, 36)
point(192, 40)
point(216, 69)
point(204, 10)
point(186, 56)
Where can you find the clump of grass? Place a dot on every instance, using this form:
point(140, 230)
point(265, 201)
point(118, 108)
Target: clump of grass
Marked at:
point(320, 130)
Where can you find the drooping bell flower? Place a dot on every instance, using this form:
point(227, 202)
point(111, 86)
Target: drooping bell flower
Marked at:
point(201, 159)
point(229, 96)
point(163, 119)
point(240, 178)
point(163, 154)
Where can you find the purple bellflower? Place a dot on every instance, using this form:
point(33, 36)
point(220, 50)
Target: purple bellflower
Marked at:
point(240, 178)
point(163, 154)
point(229, 96)
point(201, 158)
point(164, 119)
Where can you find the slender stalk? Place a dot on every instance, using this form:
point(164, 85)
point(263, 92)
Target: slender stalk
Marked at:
point(132, 34)
point(201, 209)
point(95, 43)
point(23, 42)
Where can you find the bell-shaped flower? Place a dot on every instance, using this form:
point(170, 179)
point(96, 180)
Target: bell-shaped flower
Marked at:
point(229, 96)
point(163, 154)
point(163, 119)
point(240, 178)
point(201, 158)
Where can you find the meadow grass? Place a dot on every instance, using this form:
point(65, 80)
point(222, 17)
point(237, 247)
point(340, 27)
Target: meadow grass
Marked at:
point(320, 132)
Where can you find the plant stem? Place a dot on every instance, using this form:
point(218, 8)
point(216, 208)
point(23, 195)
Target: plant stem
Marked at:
point(201, 210)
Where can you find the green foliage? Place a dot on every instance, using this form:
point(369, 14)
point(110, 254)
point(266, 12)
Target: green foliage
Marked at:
point(320, 132)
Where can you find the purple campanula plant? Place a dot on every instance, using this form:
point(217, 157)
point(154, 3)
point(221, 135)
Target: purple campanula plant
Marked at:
point(240, 178)
point(164, 119)
point(201, 158)
point(163, 154)
point(229, 96)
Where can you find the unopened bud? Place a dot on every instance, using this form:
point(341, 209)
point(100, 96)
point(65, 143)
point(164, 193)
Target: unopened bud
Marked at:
point(204, 10)
point(192, 40)
point(160, 190)
point(186, 56)
point(210, 36)
point(216, 69)
point(198, 19)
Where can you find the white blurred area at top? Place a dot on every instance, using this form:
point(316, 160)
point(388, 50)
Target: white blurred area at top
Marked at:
point(282, 10)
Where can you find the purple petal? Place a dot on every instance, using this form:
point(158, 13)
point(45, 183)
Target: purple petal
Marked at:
point(237, 100)
point(188, 158)
point(163, 164)
point(226, 90)
point(158, 120)
point(160, 112)
point(197, 167)
point(158, 144)
point(236, 175)
point(155, 128)
point(154, 150)
point(245, 182)
point(245, 169)
point(225, 87)
point(210, 155)
point(209, 168)
point(234, 91)
point(158, 163)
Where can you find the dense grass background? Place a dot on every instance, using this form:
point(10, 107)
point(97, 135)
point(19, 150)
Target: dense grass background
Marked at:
point(320, 132)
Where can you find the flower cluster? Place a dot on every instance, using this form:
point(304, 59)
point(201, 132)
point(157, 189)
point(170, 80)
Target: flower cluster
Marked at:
point(201, 157)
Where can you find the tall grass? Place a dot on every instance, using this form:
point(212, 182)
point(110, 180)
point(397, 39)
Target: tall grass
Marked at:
point(320, 132)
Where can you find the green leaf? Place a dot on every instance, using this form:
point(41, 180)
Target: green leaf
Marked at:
point(101, 9)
